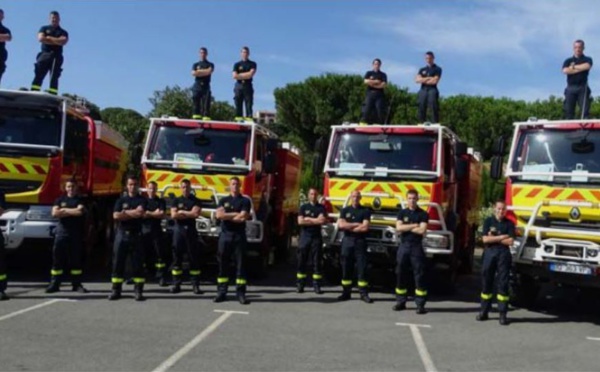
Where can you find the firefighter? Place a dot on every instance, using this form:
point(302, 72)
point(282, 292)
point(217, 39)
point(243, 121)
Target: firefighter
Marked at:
point(233, 211)
point(184, 211)
point(577, 69)
point(243, 72)
point(5, 36)
point(498, 236)
point(50, 59)
point(412, 226)
point(376, 81)
point(3, 295)
point(152, 236)
point(311, 217)
point(129, 213)
point(68, 241)
point(429, 77)
point(354, 222)
point(202, 72)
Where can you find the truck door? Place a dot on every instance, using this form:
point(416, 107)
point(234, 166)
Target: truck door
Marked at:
point(76, 151)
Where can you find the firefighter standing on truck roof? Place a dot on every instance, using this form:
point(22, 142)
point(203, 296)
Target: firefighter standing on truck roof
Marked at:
point(128, 212)
point(311, 217)
point(5, 36)
point(577, 69)
point(354, 222)
point(412, 226)
point(498, 236)
point(68, 241)
point(50, 59)
point(243, 72)
point(152, 235)
point(3, 295)
point(428, 97)
point(233, 211)
point(202, 71)
point(376, 81)
point(184, 211)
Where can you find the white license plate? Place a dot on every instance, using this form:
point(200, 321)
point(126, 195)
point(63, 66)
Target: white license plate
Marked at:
point(377, 249)
point(571, 269)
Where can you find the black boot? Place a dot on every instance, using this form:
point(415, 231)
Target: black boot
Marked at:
point(54, 286)
point(139, 292)
point(4, 296)
point(503, 320)
point(162, 282)
point(300, 286)
point(196, 288)
point(176, 285)
point(317, 288)
point(346, 293)
point(78, 287)
point(421, 309)
point(364, 296)
point(116, 292)
point(221, 293)
point(483, 313)
point(400, 303)
point(241, 295)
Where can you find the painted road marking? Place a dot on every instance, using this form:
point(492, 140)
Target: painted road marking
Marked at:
point(35, 307)
point(594, 338)
point(170, 362)
point(416, 333)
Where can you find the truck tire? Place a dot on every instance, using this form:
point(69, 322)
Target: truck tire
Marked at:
point(284, 244)
point(525, 291)
point(332, 270)
point(467, 258)
point(256, 266)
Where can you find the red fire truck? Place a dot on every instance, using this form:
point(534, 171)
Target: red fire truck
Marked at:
point(384, 162)
point(208, 153)
point(45, 140)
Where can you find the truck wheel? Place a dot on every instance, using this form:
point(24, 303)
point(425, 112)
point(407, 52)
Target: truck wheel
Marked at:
point(525, 291)
point(445, 278)
point(284, 245)
point(468, 254)
point(91, 235)
point(331, 269)
point(257, 266)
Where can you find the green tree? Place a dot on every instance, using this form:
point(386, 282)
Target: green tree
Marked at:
point(177, 101)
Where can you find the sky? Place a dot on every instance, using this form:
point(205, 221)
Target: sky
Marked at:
point(120, 52)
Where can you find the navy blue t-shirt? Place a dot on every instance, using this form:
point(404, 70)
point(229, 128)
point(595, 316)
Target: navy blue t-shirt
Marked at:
point(153, 204)
point(235, 204)
point(4, 30)
point(497, 228)
point(312, 211)
point(202, 65)
point(186, 204)
point(376, 75)
point(355, 215)
point(244, 66)
point(409, 216)
point(54, 32)
point(430, 71)
point(69, 225)
point(579, 78)
point(127, 203)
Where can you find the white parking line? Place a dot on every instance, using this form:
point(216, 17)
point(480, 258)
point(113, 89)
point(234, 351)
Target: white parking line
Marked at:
point(35, 307)
point(196, 340)
point(594, 338)
point(425, 357)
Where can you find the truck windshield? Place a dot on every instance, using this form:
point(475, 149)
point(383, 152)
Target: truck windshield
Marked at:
point(30, 126)
point(356, 154)
point(551, 151)
point(204, 146)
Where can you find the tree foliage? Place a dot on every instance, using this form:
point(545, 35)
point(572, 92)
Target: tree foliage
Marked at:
point(177, 101)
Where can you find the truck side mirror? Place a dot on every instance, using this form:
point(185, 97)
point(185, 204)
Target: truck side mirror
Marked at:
point(138, 137)
point(500, 146)
point(462, 169)
point(317, 164)
point(272, 145)
point(496, 168)
point(136, 155)
point(270, 164)
point(460, 148)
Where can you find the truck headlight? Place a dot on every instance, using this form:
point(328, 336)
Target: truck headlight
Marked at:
point(39, 213)
point(591, 252)
point(436, 241)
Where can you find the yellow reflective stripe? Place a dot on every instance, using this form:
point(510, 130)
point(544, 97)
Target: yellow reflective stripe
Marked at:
point(205, 118)
point(240, 281)
point(486, 296)
point(502, 298)
point(196, 116)
point(401, 291)
point(2, 277)
point(52, 90)
point(35, 87)
point(117, 280)
point(177, 272)
point(420, 293)
point(317, 276)
point(76, 272)
point(194, 272)
point(363, 283)
point(222, 280)
point(139, 280)
point(346, 282)
point(159, 265)
point(56, 272)
point(301, 276)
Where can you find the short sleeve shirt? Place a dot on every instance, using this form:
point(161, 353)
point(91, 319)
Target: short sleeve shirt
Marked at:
point(312, 211)
point(376, 75)
point(153, 204)
point(54, 32)
point(126, 203)
point(579, 78)
point(430, 71)
point(183, 203)
point(355, 215)
point(244, 66)
point(234, 204)
point(504, 227)
point(202, 65)
point(409, 216)
point(69, 225)
point(4, 30)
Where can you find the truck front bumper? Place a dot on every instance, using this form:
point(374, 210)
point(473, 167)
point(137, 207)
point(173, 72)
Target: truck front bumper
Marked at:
point(16, 227)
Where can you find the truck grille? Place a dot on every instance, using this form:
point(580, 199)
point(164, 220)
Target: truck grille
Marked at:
point(569, 251)
point(14, 186)
point(583, 225)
